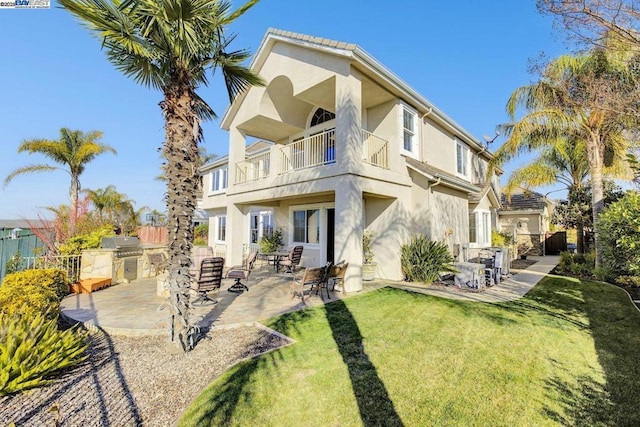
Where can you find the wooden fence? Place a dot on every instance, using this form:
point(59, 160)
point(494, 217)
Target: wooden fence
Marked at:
point(151, 234)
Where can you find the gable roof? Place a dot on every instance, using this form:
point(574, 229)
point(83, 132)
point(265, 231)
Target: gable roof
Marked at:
point(367, 62)
point(530, 201)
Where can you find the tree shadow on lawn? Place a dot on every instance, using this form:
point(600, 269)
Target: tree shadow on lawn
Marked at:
point(614, 324)
point(234, 386)
point(375, 404)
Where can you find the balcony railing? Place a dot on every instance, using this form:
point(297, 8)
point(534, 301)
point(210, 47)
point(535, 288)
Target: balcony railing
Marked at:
point(253, 168)
point(316, 150)
point(375, 150)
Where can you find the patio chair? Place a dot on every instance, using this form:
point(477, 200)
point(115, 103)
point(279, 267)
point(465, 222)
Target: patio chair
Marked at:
point(336, 275)
point(241, 272)
point(199, 253)
point(158, 263)
point(208, 280)
point(310, 277)
point(291, 261)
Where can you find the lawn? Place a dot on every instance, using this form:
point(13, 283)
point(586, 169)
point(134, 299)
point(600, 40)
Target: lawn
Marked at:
point(565, 354)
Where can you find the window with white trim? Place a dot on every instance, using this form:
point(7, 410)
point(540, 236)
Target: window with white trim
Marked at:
point(261, 224)
point(409, 130)
point(306, 226)
point(219, 179)
point(480, 228)
point(221, 228)
point(462, 159)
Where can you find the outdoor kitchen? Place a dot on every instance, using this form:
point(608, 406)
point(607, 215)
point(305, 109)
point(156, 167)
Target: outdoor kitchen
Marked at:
point(121, 259)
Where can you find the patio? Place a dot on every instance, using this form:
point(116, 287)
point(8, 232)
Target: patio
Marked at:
point(133, 309)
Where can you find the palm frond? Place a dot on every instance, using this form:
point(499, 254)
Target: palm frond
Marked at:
point(28, 169)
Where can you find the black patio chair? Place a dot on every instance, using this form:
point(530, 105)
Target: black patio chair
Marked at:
point(292, 260)
point(209, 279)
point(241, 272)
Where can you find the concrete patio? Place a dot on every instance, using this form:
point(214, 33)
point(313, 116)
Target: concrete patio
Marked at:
point(136, 309)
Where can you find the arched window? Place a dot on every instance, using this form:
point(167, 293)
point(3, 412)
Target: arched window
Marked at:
point(320, 116)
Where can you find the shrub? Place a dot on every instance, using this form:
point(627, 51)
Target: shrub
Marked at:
point(619, 232)
point(604, 274)
point(271, 242)
point(630, 281)
point(33, 348)
point(367, 251)
point(422, 259)
point(14, 263)
point(33, 291)
point(581, 265)
point(501, 238)
point(201, 235)
point(76, 244)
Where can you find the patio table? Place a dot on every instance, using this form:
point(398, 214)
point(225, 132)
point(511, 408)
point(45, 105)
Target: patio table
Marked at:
point(273, 257)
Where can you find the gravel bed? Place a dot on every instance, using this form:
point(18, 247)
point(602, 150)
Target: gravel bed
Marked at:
point(134, 381)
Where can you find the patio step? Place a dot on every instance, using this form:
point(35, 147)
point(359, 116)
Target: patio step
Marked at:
point(86, 286)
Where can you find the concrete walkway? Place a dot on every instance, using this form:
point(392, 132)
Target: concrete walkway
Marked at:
point(135, 309)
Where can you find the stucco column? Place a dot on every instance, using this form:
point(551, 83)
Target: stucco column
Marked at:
point(236, 232)
point(237, 149)
point(348, 231)
point(349, 122)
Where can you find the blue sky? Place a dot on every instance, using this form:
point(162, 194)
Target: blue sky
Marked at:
point(465, 56)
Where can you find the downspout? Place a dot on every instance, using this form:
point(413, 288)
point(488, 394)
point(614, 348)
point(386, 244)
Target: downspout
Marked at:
point(439, 180)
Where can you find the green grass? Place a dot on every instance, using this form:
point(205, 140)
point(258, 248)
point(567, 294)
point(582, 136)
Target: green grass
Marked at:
point(565, 354)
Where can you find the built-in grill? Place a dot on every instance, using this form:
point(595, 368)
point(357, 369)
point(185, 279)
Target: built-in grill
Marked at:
point(127, 252)
point(125, 246)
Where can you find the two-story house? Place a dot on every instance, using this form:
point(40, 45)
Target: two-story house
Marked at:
point(334, 145)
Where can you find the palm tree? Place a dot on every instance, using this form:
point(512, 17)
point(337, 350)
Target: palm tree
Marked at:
point(568, 103)
point(73, 150)
point(562, 162)
point(171, 45)
point(115, 208)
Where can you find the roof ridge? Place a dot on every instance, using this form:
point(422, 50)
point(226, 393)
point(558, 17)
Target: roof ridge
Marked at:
point(312, 39)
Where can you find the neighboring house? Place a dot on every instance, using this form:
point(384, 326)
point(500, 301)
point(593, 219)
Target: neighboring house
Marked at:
point(344, 146)
point(526, 215)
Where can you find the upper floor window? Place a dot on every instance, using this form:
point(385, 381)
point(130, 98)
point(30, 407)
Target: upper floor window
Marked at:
point(409, 122)
point(320, 116)
point(462, 159)
point(219, 179)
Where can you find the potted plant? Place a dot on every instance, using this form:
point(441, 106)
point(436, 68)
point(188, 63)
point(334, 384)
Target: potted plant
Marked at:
point(368, 265)
point(270, 243)
point(523, 249)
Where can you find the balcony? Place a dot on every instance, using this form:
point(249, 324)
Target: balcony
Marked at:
point(316, 150)
point(253, 168)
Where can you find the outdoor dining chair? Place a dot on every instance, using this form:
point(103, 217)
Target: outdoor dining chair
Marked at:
point(208, 280)
point(336, 276)
point(311, 277)
point(292, 260)
point(241, 272)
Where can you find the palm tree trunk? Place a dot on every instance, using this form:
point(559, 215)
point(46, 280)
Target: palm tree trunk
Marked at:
point(596, 160)
point(181, 170)
point(74, 190)
point(580, 235)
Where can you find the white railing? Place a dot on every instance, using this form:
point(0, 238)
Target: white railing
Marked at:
point(375, 150)
point(253, 168)
point(316, 150)
point(68, 263)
